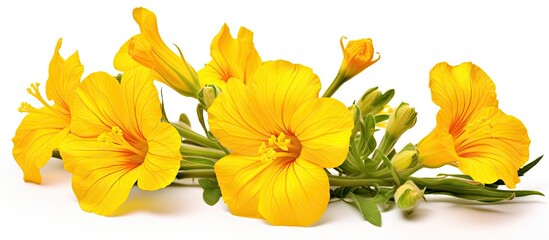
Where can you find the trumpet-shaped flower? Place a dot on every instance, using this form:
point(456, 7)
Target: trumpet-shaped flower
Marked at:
point(357, 56)
point(149, 50)
point(281, 136)
point(43, 129)
point(117, 139)
point(471, 131)
point(231, 58)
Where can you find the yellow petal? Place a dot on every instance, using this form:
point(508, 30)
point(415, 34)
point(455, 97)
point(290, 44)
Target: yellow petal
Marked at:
point(163, 158)
point(123, 61)
point(103, 178)
point(37, 136)
point(279, 89)
point(64, 77)
point(323, 127)
point(98, 106)
point(493, 146)
point(294, 193)
point(463, 90)
point(231, 58)
point(233, 120)
point(240, 180)
point(437, 149)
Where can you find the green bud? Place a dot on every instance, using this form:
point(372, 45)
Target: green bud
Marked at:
point(402, 119)
point(373, 101)
point(207, 95)
point(407, 196)
point(404, 159)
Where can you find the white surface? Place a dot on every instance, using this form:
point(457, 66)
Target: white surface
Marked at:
point(509, 41)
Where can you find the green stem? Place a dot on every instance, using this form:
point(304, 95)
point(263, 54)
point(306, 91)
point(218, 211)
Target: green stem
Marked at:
point(342, 181)
point(189, 134)
point(189, 150)
point(338, 81)
point(202, 173)
point(204, 163)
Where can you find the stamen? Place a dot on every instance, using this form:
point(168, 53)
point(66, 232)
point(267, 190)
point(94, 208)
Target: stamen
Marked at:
point(26, 107)
point(35, 92)
point(115, 136)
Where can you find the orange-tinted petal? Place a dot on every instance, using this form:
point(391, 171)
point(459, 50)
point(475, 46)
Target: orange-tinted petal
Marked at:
point(123, 61)
point(493, 146)
point(323, 127)
point(240, 180)
point(294, 193)
point(462, 90)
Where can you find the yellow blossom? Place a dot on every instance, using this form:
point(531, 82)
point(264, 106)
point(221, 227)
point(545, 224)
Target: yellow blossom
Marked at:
point(282, 136)
point(471, 132)
point(43, 129)
point(148, 49)
point(117, 139)
point(357, 56)
point(231, 58)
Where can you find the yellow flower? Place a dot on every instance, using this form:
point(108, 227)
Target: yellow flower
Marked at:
point(471, 131)
point(281, 136)
point(231, 58)
point(117, 139)
point(43, 129)
point(357, 56)
point(149, 50)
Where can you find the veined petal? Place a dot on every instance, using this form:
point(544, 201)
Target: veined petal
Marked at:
point(463, 90)
point(98, 106)
point(323, 127)
point(141, 97)
point(103, 176)
point(493, 146)
point(437, 149)
point(64, 77)
point(231, 58)
point(240, 180)
point(123, 61)
point(37, 136)
point(233, 120)
point(294, 193)
point(163, 158)
point(279, 88)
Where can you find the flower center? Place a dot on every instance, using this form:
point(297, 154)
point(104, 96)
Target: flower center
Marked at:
point(280, 146)
point(115, 137)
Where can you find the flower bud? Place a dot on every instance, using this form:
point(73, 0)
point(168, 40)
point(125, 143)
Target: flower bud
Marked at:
point(404, 159)
point(207, 95)
point(357, 56)
point(402, 119)
point(374, 101)
point(407, 196)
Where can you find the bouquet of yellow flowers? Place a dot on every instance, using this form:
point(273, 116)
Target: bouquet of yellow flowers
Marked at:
point(270, 145)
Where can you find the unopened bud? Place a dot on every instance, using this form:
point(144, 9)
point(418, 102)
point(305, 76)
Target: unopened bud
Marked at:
point(373, 101)
point(407, 196)
point(402, 119)
point(207, 95)
point(404, 159)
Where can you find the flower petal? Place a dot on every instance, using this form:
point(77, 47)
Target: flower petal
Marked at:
point(463, 90)
point(103, 176)
point(233, 120)
point(323, 127)
point(231, 58)
point(37, 136)
point(493, 146)
point(240, 180)
point(64, 77)
point(98, 105)
point(294, 193)
point(279, 88)
point(163, 157)
point(123, 61)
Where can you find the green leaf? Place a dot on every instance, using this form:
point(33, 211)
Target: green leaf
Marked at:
point(208, 183)
point(368, 208)
point(211, 197)
point(529, 166)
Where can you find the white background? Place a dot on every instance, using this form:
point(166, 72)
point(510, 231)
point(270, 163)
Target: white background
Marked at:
point(508, 40)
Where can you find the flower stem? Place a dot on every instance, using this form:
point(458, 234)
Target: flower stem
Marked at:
point(342, 181)
point(189, 134)
point(188, 150)
point(202, 173)
point(338, 81)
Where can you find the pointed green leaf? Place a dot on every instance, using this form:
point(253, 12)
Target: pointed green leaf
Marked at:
point(211, 197)
point(368, 208)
